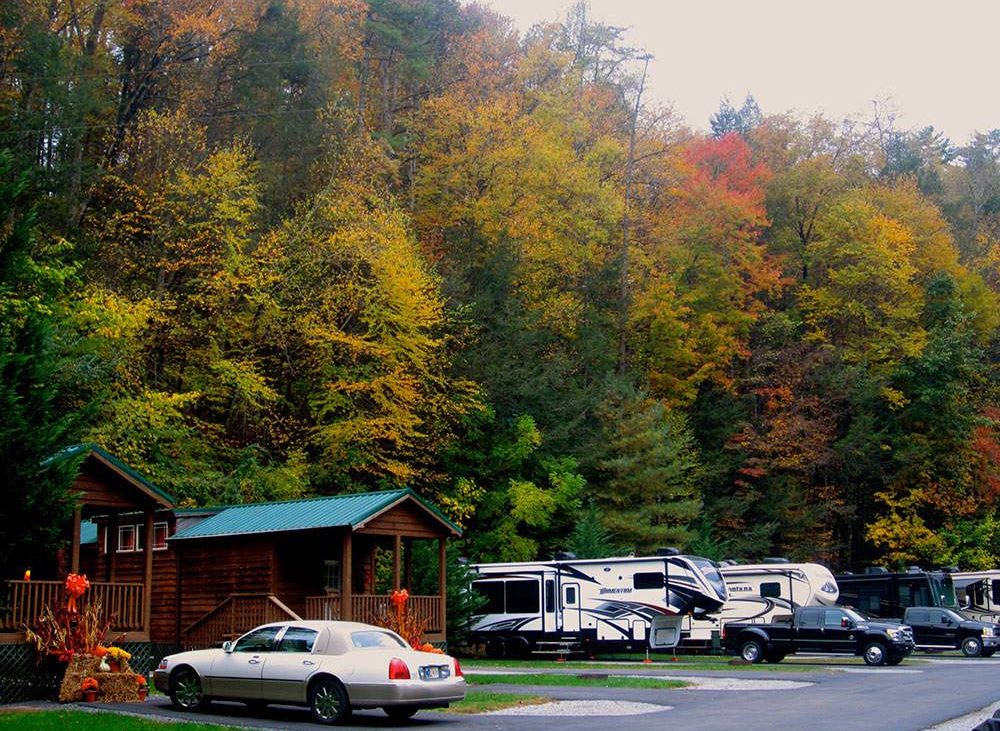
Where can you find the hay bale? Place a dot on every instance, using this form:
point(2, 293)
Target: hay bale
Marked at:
point(117, 688)
point(80, 666)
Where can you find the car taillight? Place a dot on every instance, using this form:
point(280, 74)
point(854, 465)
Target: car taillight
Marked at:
point(398, 670)
point(458, 669)
point(162, 665)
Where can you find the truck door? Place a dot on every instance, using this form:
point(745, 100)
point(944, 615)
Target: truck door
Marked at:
point(809, 630)
point(570, 607)
point(838, 631)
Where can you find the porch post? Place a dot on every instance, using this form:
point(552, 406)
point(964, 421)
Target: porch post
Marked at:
point(397, 550)
point(346, 578)
point(443, 580)
point(74, 561)
point(147, 588)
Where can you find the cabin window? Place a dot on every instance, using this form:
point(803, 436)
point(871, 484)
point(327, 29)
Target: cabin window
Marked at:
point(160, 536)
point(331, 575)
point(651, 580)
point(522, 597)
point(127, 538)
point(550, 596)
point(570, 595)
point(770, 589)
point(492, 591)
point(298, 639)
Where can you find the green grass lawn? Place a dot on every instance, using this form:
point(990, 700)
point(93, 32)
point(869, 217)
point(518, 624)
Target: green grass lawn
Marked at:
point(607, 681)
point(481, 701)
point(90, 721)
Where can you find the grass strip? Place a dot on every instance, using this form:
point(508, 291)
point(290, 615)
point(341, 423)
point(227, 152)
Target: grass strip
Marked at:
point(605, 681)
point(31, 720)
point(482, 701)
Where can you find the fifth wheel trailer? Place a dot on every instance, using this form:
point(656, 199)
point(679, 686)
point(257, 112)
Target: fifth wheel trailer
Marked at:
point(758, 594)
point(628, 603)
point(978, 594)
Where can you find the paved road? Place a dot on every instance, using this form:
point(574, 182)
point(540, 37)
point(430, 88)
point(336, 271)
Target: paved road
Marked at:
point(907, 698)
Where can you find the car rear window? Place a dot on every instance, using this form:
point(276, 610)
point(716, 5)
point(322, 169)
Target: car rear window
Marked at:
point(374, 638)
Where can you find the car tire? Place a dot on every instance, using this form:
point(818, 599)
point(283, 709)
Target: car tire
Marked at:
point(972, 647)
point(990, 652)
point(895, 660)
point(752, 651)
point(400, 713)
point(328, 701)
point(186, 691)
point(875, 653)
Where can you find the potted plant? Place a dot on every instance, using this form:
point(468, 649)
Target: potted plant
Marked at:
point(88, 687)
point(143, 688)
point(117, 657)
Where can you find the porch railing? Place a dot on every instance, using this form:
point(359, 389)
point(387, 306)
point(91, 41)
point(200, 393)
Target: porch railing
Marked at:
point(238, 613)
point(369, 607)
point(26, 599)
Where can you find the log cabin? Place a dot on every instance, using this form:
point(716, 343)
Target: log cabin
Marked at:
point(194, 577)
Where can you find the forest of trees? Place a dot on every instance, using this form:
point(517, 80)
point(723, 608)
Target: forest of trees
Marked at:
point(266, 249)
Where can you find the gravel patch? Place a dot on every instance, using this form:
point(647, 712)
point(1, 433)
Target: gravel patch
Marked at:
point(970, 720)
point(582, 708)
point(735, 683)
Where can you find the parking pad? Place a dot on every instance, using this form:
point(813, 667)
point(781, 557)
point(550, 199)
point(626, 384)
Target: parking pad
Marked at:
point(582, 708)
point(880, 671)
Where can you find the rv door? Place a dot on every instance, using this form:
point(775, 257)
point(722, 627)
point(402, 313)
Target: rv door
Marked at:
point(570, 607)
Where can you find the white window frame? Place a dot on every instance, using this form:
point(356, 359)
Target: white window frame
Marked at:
point(166, 534)
point(122, 531)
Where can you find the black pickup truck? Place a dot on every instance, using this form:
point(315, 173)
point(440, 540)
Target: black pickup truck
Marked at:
point(821, 629)
point(935, 628)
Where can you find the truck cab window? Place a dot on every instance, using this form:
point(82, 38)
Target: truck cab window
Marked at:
point(810, 617)
point(833, 618)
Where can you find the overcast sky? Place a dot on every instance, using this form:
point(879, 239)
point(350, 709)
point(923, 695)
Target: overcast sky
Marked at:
point(934, 62)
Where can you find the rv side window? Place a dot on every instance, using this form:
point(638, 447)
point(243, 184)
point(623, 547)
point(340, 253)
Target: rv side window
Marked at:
point(492, 591)
point(522, 597)
point(770, 588)
point(550, 595)
point(652, 580)
point(996, 591)
point(570, 595)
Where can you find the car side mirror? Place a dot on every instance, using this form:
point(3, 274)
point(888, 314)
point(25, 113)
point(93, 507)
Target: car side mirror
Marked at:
point(846, 623)
point(227, 646)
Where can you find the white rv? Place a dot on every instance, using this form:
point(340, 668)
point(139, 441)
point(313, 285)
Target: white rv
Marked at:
point(603, 604)
point(759, 592)
point(978, 594)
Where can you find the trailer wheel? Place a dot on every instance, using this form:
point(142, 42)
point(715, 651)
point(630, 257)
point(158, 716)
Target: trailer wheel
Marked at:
point(495, 649)
point(752, 651)
point(972, 647)
point(875, 653)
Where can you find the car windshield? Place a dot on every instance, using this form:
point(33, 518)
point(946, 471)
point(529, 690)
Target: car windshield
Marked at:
point(955, 615)
point(944, 589)
point(374, 638)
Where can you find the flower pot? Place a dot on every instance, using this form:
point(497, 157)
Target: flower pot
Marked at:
point(143, 692)
point(89, 696)
point(115, 666)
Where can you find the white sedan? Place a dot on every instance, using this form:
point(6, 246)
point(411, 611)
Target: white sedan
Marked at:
point(333, 667)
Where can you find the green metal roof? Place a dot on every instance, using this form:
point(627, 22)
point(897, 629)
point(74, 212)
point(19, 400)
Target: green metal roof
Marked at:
point(140, 479)
point(335, 511)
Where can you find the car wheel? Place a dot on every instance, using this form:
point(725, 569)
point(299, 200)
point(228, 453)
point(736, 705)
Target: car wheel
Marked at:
point(752, 651)
point(972, 647)
point(989, 653)
point(328, 701)
point(186, 691)
point(400, 713)
point(894, 660)
point(875, 653)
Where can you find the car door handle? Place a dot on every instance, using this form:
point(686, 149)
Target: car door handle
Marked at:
point(308, 662)
point(254, 661)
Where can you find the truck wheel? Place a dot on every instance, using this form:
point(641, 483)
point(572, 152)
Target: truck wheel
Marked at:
point(972, 647)
point(875, 653)
point(774, 657)
point(989, 653)
point(894, 660)
point(752, 651)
